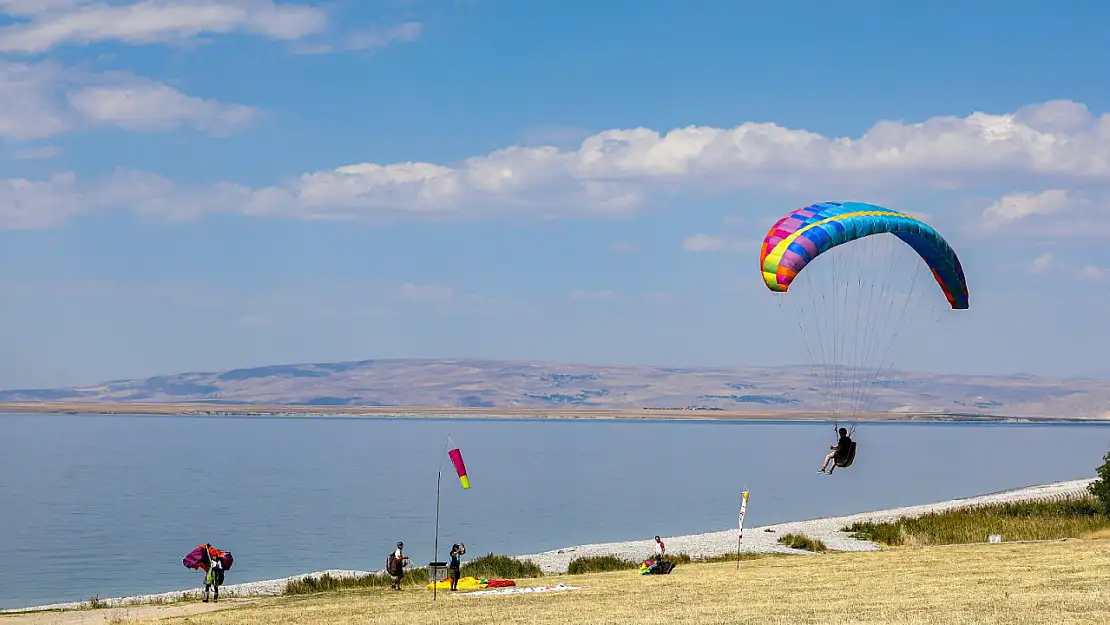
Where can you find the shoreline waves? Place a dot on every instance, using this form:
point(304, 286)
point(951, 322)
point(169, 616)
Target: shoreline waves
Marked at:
point(761, 539)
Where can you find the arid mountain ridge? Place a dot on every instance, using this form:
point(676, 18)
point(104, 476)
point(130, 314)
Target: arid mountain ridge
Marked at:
point(518, 384)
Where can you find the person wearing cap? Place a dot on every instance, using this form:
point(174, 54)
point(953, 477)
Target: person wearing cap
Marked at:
point(398, 571)
point(455, 566)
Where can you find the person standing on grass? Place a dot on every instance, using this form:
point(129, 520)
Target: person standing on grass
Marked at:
point(398, 561)
point(455, 566)
point(660, 549)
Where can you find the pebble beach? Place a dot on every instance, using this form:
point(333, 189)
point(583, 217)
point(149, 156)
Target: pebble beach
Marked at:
point(762, 539)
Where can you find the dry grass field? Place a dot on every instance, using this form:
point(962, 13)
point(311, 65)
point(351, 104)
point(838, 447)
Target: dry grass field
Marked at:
point(1051, 582)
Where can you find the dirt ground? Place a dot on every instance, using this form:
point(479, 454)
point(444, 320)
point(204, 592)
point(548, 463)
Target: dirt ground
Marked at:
point(120, 615)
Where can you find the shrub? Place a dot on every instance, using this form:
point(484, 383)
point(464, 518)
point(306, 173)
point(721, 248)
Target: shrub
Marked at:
point(797, 541)
point(600, 564)
point(492, 566)
point(326, 583)
point(1100, 488)
point(1045, 519)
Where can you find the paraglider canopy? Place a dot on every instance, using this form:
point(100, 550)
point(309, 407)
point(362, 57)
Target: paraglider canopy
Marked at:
point(808, 232)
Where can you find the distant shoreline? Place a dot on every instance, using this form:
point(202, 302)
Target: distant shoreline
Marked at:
point(446, 412)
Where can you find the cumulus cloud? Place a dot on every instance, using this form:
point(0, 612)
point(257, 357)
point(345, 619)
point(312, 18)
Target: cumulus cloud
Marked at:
point(42, 25)
point(44, 99)
point(148, 106)
point(1042, 262)
point(1017, 206)
point(1056, 145)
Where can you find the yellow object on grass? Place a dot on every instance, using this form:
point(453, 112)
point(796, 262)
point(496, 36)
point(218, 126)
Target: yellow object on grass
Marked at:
point(465, 583)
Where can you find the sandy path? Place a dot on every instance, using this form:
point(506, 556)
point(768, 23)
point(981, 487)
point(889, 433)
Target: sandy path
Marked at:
point(118, 615)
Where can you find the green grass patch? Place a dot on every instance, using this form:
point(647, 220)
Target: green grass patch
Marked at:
point(1046, 519)
point(600, 564)
point(798, 541)
point(326, 583)
point(492, 566)
point(489, 566)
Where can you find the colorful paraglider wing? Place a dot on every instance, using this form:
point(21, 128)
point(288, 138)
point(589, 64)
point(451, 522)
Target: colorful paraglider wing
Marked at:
point(226, 560)
point(460, 468)
point(195, 559)
point(798, 238)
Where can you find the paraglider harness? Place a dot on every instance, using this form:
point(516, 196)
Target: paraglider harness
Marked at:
point(845, 457)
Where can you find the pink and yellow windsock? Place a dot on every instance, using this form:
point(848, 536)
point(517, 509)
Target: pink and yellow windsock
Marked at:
point(460, 467)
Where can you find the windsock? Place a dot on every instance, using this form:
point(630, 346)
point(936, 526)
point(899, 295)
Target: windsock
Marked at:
point(743, 510)
point(460, 467)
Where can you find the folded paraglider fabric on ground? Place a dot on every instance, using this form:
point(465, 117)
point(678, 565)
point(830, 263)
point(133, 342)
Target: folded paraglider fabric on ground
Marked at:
point(472, 583)
point(651, 567)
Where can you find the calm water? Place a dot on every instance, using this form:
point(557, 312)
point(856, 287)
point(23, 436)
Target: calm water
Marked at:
point(109, 505)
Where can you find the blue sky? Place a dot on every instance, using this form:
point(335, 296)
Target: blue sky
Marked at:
point(220, 183)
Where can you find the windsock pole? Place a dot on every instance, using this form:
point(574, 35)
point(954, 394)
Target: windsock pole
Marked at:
point(435, 544)
point(740, 536)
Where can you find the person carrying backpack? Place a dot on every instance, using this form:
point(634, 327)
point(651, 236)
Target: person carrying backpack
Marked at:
point(214, 576)
point(395, 566)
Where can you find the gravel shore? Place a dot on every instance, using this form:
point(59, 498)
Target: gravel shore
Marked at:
point(756, 540)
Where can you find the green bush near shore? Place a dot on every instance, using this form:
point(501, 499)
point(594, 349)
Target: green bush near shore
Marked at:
point(798, 541)
point(600, 564)
point(682, 558)
point(492, 566)
point(1045, 519)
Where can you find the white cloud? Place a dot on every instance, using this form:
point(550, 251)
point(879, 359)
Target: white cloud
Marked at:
point(44, 99)
point(1093, 272)
point(150, 106)
point(368, 39)
point(1043, 262)
point(1018, 206)
point(45, 24)
point(27, 204)
point(619, 172)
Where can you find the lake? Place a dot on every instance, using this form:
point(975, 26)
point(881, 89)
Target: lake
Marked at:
point(108, 505)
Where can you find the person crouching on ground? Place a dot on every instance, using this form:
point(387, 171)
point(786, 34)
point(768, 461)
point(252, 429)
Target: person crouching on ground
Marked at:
point(398, 571)
point(454, 566)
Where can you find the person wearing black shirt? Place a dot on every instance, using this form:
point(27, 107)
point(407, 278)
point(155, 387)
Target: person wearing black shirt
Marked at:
point(844, 443)
point(455, 566)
